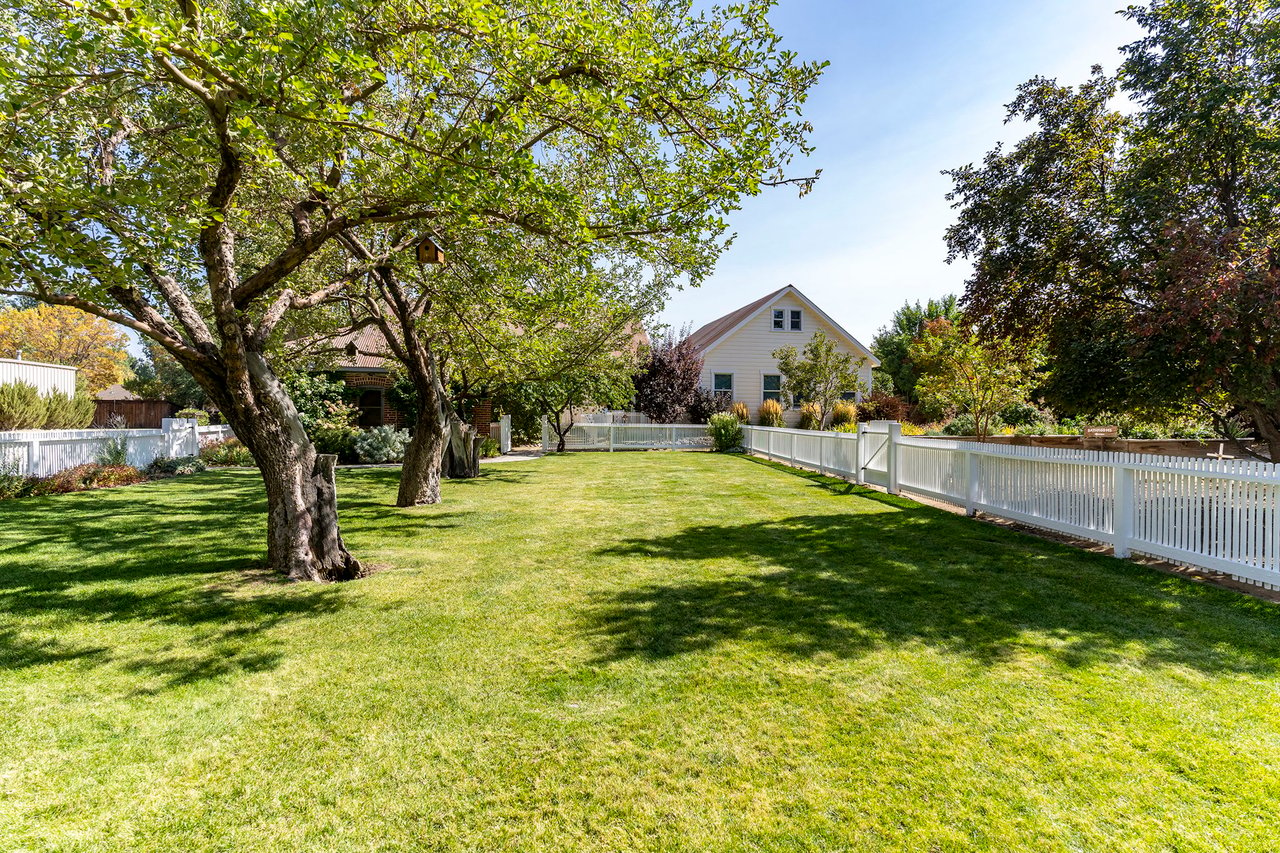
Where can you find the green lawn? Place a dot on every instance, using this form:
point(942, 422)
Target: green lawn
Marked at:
point(608, 652)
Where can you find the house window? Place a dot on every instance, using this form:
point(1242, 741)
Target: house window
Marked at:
point(795, 320)
point(773, 387)
point(779, 318)
point(722, 384)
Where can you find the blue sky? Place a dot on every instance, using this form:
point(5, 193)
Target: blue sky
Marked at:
point(913, 87)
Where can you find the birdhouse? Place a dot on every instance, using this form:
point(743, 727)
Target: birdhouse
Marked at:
point(429, 252)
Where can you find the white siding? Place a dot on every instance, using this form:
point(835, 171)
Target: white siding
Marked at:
point(748, 352)
point(46, 377)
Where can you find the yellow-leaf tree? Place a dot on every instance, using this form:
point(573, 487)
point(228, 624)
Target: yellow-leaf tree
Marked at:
point(59, 334)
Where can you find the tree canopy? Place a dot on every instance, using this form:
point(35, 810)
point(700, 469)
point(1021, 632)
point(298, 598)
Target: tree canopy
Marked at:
point(1141, 246)
point(201, 173)
point(893, 342)
point(60, 335)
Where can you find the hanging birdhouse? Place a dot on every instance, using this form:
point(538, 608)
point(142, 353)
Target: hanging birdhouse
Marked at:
point(429, 252)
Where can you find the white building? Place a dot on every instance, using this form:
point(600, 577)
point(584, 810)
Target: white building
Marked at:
point(737, 349)
point(46, 377)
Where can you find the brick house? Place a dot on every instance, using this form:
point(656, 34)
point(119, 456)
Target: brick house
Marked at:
point(362, 361)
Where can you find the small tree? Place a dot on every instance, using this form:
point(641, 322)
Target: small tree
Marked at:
point(971, 376)
point(605, 381)
point(820, 374)
point(60, 335)
point(668, 379)
point(893, 342)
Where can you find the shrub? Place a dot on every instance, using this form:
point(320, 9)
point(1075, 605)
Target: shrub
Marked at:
point(883, 407)
point(740, 411)
point(770, 414)
point(811, 416)
point(200, 416)
point(115, 420)
point(913, 429)
point(704, 404)
point(726, 431)
point(172, 466)
point(12, 484)
point(851, 427)
point(82, 477)
point(227, 452)
point(114, 451)
point(844, 413)
point(382, 444)
point(337, 439)
point(489, 448)
point(21, 406)
point(68, 411)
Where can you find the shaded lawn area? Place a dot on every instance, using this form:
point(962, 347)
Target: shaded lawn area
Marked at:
point(605, 652)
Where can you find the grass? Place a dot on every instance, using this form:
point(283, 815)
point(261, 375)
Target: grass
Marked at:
point(647, 651)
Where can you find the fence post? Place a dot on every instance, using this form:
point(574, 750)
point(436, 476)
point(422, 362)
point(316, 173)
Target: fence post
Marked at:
point(504, 434)
point(891, 455)
point(546, 435)
point(33, 457)
point(1122, 510)
point(673, 438)
point(791, 449)
point(770, 450)
point(971, 485)
point(858, 451)
point(822, 455)
point(611, 436)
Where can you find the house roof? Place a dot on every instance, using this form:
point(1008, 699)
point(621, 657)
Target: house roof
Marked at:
point(363, 349)
point(116, 392)
point(717, 330)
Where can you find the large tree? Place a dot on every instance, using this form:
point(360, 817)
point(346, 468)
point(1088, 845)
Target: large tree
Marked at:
point(666, 382)
point(892, 343)
point(61, 335)
point(198, 173)
point(1142, 246)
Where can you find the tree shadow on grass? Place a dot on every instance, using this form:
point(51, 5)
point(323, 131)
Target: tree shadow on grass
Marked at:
point(849, 583)
point(158, 554)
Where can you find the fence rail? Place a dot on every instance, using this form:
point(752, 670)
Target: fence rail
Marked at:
point(1219, 514)
point(43, 453)
point(616, 437)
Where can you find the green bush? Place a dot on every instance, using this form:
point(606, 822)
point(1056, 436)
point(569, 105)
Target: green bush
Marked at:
point(845, 427)
point(228, 452)
point(12, 484)
point(114, 451)
point(337, 439)
point(382, 444)
point(490, 448)
point(726, 431)
point(21, 406)
point(68, 411)
point(200, 416)
point(810, 416)
point(770, 414)
point(166, 466)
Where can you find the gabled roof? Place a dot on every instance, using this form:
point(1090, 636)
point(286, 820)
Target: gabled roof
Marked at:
point(717, 330)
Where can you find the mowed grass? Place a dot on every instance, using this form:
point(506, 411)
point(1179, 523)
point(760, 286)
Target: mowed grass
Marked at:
point(646, 651)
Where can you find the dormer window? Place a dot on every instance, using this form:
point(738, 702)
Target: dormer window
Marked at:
point(779, 318)
point(795, 319)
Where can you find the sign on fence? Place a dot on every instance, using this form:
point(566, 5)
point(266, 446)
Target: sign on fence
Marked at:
point(1102, 432)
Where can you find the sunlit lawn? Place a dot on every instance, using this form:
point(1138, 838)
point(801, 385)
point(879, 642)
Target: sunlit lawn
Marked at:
point(616, 652)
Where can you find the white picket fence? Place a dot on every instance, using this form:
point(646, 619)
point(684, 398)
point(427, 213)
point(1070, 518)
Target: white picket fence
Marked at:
point(43, 453)
point(1219, 514)
point(613, 437)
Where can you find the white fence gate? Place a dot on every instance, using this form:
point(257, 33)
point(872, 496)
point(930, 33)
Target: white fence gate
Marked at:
point(1219, 514)
point(43, 453)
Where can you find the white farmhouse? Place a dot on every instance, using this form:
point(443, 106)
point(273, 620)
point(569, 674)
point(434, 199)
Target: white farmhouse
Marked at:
point(737, 349)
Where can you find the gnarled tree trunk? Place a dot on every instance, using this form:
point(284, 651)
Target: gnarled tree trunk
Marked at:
point(303, 540)
point(442, 444)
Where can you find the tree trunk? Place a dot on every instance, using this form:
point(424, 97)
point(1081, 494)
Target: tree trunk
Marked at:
point(1267, 422)
point(441, 446)
point(303, 540)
